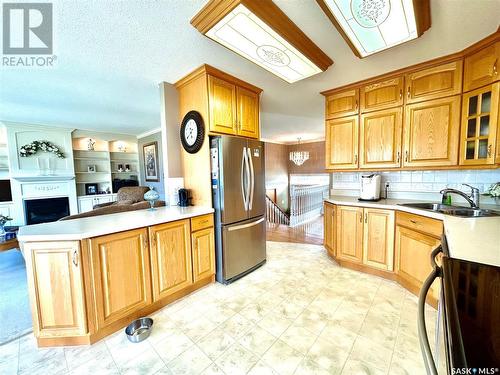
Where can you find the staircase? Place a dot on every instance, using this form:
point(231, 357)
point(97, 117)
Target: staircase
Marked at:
point(274, 214)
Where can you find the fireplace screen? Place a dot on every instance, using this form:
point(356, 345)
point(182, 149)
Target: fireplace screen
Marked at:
point(46, 210)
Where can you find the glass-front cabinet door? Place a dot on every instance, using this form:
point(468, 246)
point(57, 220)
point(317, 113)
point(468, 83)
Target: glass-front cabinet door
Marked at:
point(479, 125)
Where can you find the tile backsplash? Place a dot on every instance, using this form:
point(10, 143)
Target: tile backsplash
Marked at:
point(430, 182)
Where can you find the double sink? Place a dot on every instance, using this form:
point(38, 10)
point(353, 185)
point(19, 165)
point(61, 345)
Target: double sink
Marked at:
point(453, 210)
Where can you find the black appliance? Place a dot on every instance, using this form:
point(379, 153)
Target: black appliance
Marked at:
point(184, 197)
point(470, 306)
point(119, 183)
point(39, 211)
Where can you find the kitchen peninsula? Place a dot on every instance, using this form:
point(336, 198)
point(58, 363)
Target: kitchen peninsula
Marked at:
point(89, 277)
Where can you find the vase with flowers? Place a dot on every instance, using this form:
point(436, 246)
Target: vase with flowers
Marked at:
point(3, 221)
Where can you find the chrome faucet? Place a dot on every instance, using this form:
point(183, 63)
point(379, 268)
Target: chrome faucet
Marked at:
point(472, 199)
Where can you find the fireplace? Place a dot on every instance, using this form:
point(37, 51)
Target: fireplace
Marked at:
point(45, 210)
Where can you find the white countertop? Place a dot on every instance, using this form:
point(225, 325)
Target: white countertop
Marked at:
point(78, 229)
point(473, 239)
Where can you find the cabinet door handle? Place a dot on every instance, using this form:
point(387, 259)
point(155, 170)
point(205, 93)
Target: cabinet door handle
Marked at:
point(400, 93)
point(356, 159)
point(408, 93)
point(406, 156)
point(366, 217)
point(489, 150)
point(398, 157)
point(75, 258)
point(356, 106)
point(495, 67)
point(360, 218)
point(413, 221)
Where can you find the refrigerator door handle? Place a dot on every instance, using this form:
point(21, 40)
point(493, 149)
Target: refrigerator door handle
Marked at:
point(243, 170)
point(252, 179)
point(436, 272)
point(243, 226)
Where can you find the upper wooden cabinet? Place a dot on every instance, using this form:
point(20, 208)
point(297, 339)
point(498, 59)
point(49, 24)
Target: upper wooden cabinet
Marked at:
point(378, 242)
point(480, 117)
point(380, 139)
point(55, 269)
point(481, 68)
point(227, 104)
point(342, 143)
point(342, 104)
point(121, 275)
point(431, 133)
point(247, 113)
point(349, 238)
point(382, 94)
point(222, 99)
point(435, 82)
point(170, 258)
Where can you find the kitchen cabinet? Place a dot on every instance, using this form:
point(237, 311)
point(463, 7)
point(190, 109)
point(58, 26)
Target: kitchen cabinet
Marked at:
point(479, 126)
point(380, 95)
point(247, 113)
point(329, 228)
point(233, 109)
point(203, 253)
point(378, 238)
point(380, 139)
point(481, 68)
point(171, 267)
point(121, 274)
point(434, 82)
point(222, 98)
point(342, 104)
point(349, 238)
point(431, 133)
point(56, 267)
point(342, 143)
point(413, 246)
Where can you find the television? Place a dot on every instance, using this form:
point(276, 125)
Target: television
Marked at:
point(5, 192)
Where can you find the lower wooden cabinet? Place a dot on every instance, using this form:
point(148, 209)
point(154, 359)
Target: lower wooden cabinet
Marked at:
point(349, 237)
point(378, 240)
point(56, 267)
point(329, 228)
point(121, 274)
point(203, 252)
point(170, 258)
point(413, 263)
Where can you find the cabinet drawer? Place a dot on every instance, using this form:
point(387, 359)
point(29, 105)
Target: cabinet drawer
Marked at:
point(423, 224)
point(202, 222)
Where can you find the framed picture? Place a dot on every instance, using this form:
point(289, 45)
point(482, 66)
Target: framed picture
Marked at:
point(91, 168)
point(150, 154)
point(91, 189)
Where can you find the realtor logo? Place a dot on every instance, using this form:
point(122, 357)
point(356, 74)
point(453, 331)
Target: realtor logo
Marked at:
point(27, 29)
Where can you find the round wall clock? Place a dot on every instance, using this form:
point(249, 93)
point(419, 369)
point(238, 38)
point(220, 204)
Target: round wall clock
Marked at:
point(192, 132)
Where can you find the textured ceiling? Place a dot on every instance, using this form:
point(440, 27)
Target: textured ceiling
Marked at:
point(111, 55)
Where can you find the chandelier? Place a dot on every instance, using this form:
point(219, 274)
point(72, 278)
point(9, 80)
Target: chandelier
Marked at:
point(299, 157)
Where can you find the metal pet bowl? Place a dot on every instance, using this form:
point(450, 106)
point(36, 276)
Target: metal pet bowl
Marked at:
point(139, 329)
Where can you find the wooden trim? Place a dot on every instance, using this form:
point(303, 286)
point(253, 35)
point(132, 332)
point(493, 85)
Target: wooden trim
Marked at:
point(423, 65)
point(269, 13)
point(421, 8)
point(210, 70)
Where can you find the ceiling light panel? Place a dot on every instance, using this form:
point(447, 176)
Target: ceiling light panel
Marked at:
point(259, 31)
point(374, 25)
point(245, 34)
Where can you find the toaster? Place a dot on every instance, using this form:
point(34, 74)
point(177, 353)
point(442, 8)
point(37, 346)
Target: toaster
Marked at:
point(370, 187)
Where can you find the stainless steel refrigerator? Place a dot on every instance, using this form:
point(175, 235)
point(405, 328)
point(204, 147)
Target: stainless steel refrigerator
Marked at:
point(238, 188)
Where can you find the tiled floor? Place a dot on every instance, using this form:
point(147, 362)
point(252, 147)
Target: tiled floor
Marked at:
point(299, 314)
